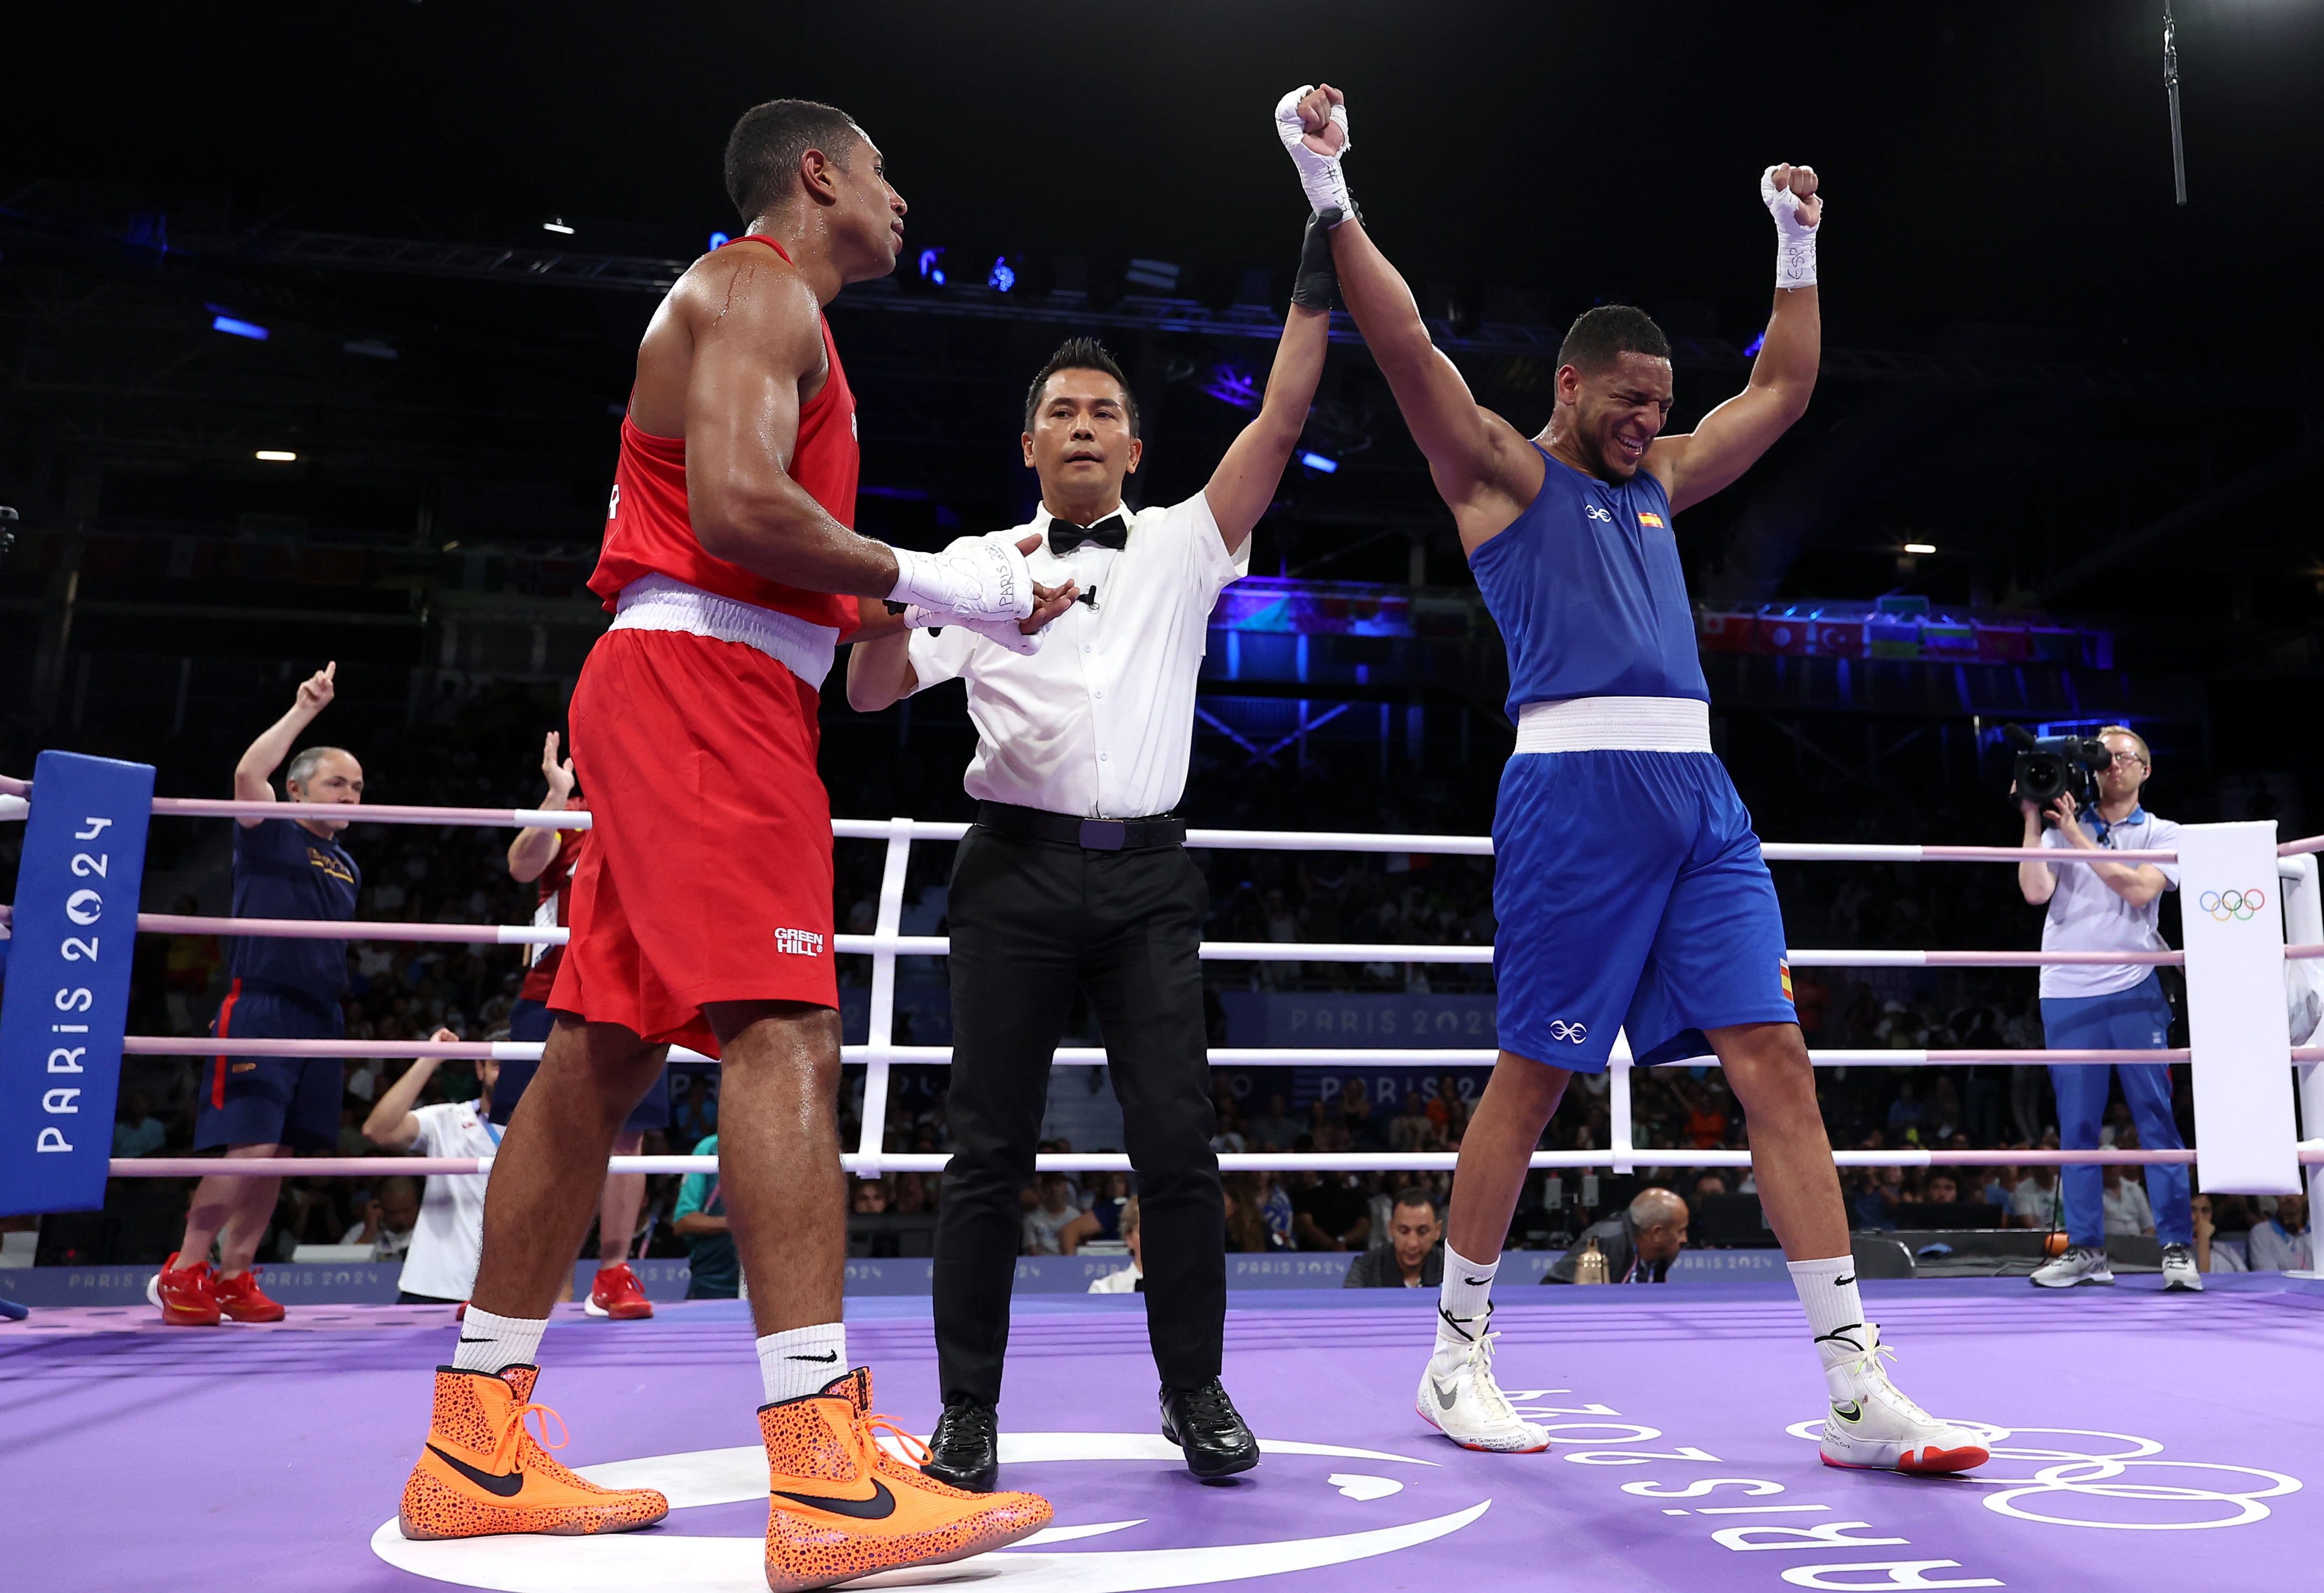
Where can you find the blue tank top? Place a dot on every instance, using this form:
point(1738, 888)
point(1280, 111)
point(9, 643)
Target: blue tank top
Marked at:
point(1588, 591)
point(283, 871)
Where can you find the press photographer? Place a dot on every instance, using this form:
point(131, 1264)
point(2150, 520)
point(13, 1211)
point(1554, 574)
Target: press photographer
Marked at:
point(2104, 907)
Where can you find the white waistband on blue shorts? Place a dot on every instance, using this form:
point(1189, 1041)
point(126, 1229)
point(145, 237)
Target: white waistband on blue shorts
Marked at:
point(660, 603)
point(1615, 724)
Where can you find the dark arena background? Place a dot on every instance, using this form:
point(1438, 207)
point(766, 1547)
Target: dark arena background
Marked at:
point(317, 329)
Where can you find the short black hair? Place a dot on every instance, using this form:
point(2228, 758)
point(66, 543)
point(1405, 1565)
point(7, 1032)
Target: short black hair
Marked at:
point(764, 149)
point(1082, 354)
point(1414, 1194)
point(1599, 335)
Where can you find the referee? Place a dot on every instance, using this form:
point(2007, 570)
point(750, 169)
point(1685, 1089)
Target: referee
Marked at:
point(1076, 878)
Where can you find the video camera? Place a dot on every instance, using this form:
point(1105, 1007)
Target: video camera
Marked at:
point(2050, 766)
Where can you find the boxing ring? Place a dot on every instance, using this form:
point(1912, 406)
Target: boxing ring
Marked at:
point(2122, 1421)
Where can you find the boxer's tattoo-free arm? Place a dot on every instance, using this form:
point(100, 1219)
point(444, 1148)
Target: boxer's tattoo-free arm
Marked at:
point(1484, 470)
point(755, 342)
point(1732, 437)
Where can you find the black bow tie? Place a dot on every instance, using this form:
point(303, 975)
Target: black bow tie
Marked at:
point(1113, 531)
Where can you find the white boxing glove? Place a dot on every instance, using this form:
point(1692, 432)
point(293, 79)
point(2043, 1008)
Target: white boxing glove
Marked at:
point(979, 580)
point(1795, 240)
point(1319, 175)
point(1004, 632)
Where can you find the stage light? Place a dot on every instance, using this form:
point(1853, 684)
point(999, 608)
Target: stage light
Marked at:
point(932, 266)
point(1753, 347)
point(239, 329)
point(557, 224)
point(1003, 275)
point(277, 456)
point(1233, 384)
point(719, 240)
point(371, 348)
point(1920, 546)
point(1321, 463)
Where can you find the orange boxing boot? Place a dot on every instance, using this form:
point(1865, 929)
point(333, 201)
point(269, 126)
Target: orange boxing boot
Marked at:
point(482, 1472)
point(842, 1506)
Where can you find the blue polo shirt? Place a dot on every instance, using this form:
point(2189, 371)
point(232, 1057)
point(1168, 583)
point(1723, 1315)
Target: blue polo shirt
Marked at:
point(282, 870)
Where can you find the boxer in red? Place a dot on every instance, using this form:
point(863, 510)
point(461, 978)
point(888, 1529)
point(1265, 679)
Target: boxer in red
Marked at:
point(701, 913)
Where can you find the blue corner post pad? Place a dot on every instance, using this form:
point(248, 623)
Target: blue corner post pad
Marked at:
point(13, 1312)
point(66, 1000)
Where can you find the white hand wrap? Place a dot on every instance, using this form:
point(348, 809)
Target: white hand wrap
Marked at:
point(985, 580)
point(992, 630)
point(1319, 175)
point(1795, 241)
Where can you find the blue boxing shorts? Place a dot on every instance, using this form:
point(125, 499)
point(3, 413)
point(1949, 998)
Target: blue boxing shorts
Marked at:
point(530, 1020)
point(1630, 895)
point(271, 1100)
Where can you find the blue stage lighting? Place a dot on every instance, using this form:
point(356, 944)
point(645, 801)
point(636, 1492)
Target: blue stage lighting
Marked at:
point(1231, 384)
point(1319, 462)
point(719, 240)
point(1004, 276)
point(239, 329)
point(932, 266)
point(1752, 348)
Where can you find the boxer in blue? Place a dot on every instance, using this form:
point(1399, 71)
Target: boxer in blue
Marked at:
point(1629, 884)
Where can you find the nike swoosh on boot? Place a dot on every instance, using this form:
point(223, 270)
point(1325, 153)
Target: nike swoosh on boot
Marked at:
point(880, 1506)
point(505, 1487)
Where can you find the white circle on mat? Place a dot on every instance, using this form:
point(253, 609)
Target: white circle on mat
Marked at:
point(623, 1562)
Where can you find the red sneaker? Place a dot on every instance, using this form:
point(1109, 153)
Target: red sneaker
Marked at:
point(241, 1299)
point(187, 1295)
point(617, 1293)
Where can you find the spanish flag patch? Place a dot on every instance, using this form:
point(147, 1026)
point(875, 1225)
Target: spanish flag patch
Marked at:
point(1784, 969)
point(1646, 519)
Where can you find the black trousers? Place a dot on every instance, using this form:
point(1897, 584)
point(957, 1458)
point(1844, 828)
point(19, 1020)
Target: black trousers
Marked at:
point(1032, 923)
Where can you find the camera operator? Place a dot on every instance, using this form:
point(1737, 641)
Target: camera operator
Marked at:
point(2109, 907)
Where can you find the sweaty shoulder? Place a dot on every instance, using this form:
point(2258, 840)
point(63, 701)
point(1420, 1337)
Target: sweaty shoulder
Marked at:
point(743, 305)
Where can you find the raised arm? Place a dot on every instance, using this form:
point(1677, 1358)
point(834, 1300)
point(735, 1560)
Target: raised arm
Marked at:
point(1483, 467)
point(391, 1123)
point(533, 850)
point(253, 774)
point(1244, 483)
point(1732, 437)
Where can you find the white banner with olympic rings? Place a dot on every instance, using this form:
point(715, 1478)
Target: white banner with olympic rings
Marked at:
point(2230, 904)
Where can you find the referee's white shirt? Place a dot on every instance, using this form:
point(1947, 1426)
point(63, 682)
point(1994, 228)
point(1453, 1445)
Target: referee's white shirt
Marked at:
point(1100, 722)
point(2088, 915)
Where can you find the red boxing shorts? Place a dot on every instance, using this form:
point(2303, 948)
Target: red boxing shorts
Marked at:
point(708, 877)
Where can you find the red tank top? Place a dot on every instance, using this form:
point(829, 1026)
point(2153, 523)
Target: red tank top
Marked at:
point(648, 531)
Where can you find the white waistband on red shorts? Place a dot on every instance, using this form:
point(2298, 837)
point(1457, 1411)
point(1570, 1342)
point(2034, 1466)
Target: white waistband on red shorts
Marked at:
point(1615, 724)
point(660, 603)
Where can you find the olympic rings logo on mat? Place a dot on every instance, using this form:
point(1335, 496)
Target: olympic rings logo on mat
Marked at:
point(2225, 905)
point(1574, 1033)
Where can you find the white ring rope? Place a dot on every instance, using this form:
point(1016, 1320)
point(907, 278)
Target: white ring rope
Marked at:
point(525, 934)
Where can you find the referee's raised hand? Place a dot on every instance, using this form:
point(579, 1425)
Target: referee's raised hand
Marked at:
point(315, 691)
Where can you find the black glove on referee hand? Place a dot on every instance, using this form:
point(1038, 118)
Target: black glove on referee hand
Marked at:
point(1317, 282)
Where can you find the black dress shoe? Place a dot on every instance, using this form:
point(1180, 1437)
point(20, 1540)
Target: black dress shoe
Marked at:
point(965, 1451)
point(1203, 1422)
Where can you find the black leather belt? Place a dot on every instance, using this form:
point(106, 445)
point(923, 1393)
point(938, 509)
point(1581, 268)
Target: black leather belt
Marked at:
point(1092, 835)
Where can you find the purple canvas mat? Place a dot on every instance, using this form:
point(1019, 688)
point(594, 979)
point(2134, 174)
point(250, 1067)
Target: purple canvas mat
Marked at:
point(267, 1459)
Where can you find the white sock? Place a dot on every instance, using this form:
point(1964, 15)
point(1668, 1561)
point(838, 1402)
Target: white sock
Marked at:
point(1835, 1311)
point(493, 1344)
point(1463, 1303)
point(801, 1361)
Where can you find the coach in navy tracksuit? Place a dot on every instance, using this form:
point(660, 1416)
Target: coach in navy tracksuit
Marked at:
point(284, 989)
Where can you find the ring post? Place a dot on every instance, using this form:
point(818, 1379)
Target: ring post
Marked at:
point(2238, 1028)
point(1618, 1126)
point(2303, 924)
point(882, 1018)
point(67, 1006)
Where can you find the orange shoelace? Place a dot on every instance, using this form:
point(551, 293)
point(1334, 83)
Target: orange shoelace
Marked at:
point(872, 1426)
point(508, 1454)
